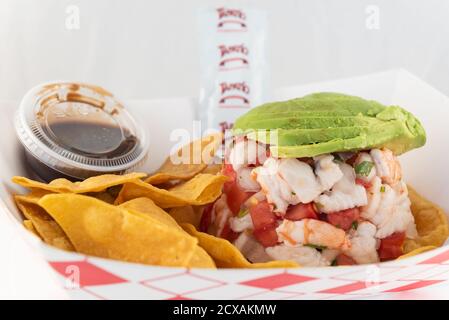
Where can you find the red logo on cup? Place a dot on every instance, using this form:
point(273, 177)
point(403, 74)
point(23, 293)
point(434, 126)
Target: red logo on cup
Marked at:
point(231, 20)
point(233, 57)
point(234, 95)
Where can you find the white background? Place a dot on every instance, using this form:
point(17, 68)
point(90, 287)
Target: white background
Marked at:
point(149, 49)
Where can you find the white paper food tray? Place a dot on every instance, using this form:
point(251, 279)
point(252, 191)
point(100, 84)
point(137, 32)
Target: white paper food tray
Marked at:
point(424, 168)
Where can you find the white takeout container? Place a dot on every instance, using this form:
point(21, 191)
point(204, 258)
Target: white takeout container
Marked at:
point(90, 277)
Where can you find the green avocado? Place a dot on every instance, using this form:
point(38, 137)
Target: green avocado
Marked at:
point(330, 122)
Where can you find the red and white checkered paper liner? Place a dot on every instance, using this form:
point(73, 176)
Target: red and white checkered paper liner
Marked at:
point(86, 277)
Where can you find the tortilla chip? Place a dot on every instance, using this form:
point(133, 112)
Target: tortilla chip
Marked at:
point(146, 207)
point(416, 251)
point(93, 184)
point(187, 214)
point(202, 189)
point(103, 196)
point(201, 259)
point(226, 255)
point(431, 223)
point(213, 169)
point(45, 226)
point(28, 224)
point(33, 196)
point(195, 158)
point(100, 229)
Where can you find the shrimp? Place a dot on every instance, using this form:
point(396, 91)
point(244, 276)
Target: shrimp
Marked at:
point(327, 171)
point(312, 232)
point(304, 256)
point(344, 195)
point(276, 190)
point(246, 181)
point(290, 181)
point(247, 152)
point(364, 244)
point(387, 166)
point(389, 209)
point(301, 179)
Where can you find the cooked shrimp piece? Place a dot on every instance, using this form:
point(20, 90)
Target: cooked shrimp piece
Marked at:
point(364, 244)
point(389, 209)
point(247, 152)
point(304, 256)
point(387, 166)
point(301, 179)
point(276, 190)
point(312, 232)
point(344, 195)
point(327, 171)
point(246, 180)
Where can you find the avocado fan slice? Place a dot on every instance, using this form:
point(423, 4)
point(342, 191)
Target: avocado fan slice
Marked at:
point(331, 122)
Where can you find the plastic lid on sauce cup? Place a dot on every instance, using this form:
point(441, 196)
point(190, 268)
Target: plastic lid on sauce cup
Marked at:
point(77, 130)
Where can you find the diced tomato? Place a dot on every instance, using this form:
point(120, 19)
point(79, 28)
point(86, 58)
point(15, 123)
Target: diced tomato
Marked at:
point(228, 234)
point(206, 217)
point(301, 211)
point(235, 195)
point(266, 236)
point(344, 219)
point(262, 215)
point(391, 246)
point(231, 174)
point(344, 260)
point(366, 184)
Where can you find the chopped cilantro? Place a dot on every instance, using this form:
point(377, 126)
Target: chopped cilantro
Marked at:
point(364, 168)
point(242, 213)
point(293, 193)
point(334, 262)
point(315, 246)
point(355, 225)
point(382, 189)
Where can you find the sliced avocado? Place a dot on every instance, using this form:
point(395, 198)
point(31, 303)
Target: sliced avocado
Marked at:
point(331, 122)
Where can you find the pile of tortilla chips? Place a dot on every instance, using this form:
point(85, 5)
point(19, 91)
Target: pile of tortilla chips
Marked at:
point(154, 220)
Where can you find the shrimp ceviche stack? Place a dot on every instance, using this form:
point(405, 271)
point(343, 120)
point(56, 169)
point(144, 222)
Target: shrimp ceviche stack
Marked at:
point(317, 180)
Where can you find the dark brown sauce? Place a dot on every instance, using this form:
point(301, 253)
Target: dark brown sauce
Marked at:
point(91, 138)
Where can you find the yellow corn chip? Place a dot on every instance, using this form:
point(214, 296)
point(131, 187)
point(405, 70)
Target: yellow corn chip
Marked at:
point(202, 189)
point(33, 196)
point(100, 229)
point(146, 207)
point(187, 214)
point(193, 158)
point(416, 251)
point(226, 255)
point(431, 223)
point(201, 259)
point(28, 224)
point(93, 184)
point(45, 226)
point(213, 169)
